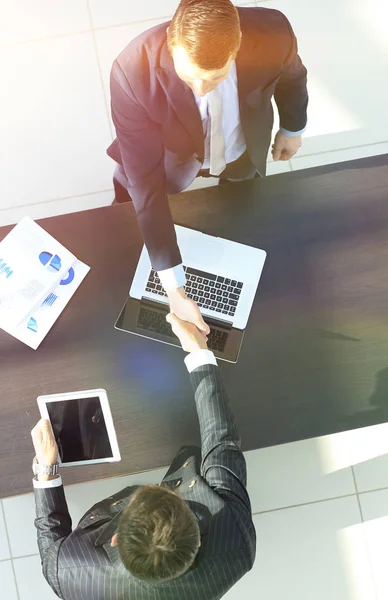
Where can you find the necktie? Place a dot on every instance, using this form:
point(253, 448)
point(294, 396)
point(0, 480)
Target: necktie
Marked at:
point(217, 142)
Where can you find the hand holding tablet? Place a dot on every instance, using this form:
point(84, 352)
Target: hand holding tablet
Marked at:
point(82, 426)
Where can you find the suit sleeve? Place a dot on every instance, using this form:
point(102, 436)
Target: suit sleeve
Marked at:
point(142, 155)
point(291, 95)
point(53, 524)
point(223, 464)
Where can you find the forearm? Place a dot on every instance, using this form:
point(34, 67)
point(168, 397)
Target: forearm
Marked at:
point(291, 98)
point(156, 225)
point(216, 421)
point(223, 464)
point(53, 521)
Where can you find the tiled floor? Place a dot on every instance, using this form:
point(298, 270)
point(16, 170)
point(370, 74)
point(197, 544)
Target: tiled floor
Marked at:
point(321, 506)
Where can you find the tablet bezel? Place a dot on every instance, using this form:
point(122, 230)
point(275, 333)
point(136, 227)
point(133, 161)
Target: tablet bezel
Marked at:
point(103, 397)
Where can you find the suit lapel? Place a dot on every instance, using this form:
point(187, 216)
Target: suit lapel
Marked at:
point(181, 99)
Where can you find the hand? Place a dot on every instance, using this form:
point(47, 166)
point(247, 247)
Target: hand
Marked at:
point(186, 309)
point(284, 146)
point(190, 337)
point(46, 448)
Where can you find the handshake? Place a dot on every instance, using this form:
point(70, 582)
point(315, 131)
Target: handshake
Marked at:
point(190, 337)
point(46, 450)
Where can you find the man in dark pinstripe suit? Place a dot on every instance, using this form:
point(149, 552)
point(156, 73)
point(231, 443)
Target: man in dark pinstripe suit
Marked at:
point(191, 538)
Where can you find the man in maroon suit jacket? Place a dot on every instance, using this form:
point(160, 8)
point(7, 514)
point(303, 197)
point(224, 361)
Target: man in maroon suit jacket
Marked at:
point(162, 87)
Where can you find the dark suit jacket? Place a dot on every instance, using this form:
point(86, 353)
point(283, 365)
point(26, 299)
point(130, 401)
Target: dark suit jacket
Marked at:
point(81, 564)
point(160, 141)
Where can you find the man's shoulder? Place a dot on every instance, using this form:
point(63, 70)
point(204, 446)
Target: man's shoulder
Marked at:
point(263, 20)
point(143, 49)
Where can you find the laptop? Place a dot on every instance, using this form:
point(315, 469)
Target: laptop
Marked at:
point(222, 278)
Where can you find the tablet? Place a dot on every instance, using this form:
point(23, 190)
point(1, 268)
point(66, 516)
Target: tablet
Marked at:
point(83, 427)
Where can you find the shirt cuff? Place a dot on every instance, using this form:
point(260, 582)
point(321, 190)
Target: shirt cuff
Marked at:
point(292, 133)
point(173, 278)
point(48, 484)
point(199, 358)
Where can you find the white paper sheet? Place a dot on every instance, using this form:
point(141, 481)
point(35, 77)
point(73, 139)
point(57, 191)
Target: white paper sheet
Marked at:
point(38, 276)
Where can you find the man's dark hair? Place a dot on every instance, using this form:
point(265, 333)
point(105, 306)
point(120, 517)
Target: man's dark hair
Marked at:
point(209, 31)
point(158, 535)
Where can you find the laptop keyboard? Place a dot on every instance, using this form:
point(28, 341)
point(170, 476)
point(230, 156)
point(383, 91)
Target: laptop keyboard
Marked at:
point(156, 322)
point(206, 289)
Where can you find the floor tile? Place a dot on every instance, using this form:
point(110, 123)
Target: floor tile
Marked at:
point(23, 20)
point(55, 122)
point(327, 158)
point(4, 547)
point(7, 581)
point(202, 182)
point(342, 78)
point(118, 12)
point(22, 532)
point(365, 449)
point(372, 474)
point(375, 513)
point(29, 577)
point(312, 552)
point(279, 166)
point(292, 474)
point(56, 207)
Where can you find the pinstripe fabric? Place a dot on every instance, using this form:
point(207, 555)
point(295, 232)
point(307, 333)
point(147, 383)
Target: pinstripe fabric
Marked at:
point(81, 564)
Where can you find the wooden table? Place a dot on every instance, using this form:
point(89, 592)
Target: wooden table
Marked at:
point(314, 359)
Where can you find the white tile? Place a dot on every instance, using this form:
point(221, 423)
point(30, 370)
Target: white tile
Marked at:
point(22, 532)
point(56, 207)
point(23, 20)
point(279, 166)
point(365, 449)
point(4, 547)
point(310, 552)
point(348, 96)
point(54, 122)
point(29, 577)
point(202, 182)
point(7, 581)
point(118, 12)
point(292, 474)
point(112, 41)
point(375, 513)
point(328, 158)
point(372, 474)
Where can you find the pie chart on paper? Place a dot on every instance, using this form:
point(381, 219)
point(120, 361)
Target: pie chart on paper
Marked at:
point(68, 278)
point(53, 263)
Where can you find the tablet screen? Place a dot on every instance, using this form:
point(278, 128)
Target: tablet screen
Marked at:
point(80, 430)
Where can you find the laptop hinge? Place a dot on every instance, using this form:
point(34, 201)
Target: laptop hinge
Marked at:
point(210, 320)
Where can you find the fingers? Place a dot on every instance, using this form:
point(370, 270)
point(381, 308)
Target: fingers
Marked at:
point(202, 326)
point(42, 425)
point(276, 153)
point(172, 319)
point(286, 155)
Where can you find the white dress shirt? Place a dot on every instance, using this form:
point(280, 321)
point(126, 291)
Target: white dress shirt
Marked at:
point(235, 146)
point(193, 361)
